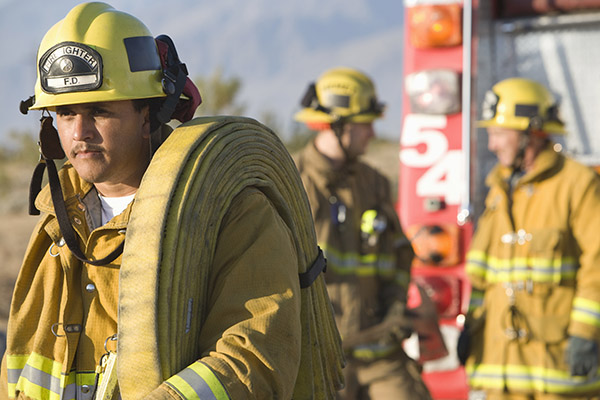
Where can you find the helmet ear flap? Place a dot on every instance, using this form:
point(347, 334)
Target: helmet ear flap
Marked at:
point(175, 82)
point(49, 140)
point(310, 96)
point(553, 114)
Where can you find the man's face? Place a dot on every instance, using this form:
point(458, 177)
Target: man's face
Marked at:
point(356, 137)
point(107, 143)
point(505, 143)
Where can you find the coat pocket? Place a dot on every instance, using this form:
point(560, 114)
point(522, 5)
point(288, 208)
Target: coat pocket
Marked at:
point(548, 313)
point(547, 257)
point(545, 242)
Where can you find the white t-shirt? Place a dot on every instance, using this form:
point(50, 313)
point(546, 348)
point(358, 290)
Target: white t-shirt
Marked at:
point(112, 206)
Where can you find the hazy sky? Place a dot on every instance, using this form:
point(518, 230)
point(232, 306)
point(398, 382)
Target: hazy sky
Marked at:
point(275, 47)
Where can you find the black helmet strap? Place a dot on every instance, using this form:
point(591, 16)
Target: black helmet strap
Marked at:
point(174, 78)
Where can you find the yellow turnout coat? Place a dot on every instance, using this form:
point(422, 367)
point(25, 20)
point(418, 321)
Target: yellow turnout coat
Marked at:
point(534, 265)
point(64, 311)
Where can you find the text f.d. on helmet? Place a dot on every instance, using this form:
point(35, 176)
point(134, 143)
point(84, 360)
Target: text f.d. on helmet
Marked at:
point(340, 94)
point(97, 54)
point(521, 104)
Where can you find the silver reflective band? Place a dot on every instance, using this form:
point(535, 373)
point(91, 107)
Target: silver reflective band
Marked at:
point(198, 383)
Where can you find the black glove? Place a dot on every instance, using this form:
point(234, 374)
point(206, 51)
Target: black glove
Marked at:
point(582, 356)
point(463, 347)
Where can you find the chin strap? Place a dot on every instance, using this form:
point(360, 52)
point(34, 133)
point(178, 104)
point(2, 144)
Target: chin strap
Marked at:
point(337, 127)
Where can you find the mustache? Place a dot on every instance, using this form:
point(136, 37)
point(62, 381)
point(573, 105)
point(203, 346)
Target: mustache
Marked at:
point(83, 147)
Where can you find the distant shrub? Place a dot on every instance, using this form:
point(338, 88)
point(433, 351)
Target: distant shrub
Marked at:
point(18, 156)
point(20, 146)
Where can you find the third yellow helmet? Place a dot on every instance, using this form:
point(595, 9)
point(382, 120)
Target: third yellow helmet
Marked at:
point(521, 104)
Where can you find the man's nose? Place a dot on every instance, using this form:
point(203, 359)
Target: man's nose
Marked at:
point(82, 128)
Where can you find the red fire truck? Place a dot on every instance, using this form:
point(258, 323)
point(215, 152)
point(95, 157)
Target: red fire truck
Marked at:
point(454, 51)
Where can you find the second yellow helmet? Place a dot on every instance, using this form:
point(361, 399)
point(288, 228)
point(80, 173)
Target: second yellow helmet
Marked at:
point(340, 93)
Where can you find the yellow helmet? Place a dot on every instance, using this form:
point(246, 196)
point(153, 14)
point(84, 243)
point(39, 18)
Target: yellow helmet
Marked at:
point(96, 54)
point(521, 104)
point(340, 94)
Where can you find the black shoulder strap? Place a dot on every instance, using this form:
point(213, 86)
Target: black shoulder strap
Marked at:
point(35, 186)
point(319, 265)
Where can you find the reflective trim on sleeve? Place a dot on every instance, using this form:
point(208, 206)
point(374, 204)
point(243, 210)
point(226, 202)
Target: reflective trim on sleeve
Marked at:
point(529, 378)
point(476, 264)
point(198, 382)
point(476, 300)
point(403, 278)
point(586, 311)
point(374, 351)
point(542, 270)
point(39, 377)
point(358, 264)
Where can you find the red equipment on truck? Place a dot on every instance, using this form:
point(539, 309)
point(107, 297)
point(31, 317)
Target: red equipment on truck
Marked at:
point(454, 51)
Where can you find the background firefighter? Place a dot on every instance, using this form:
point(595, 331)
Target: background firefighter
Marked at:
point(533, 326)
point(114, 87)
point(368, 255)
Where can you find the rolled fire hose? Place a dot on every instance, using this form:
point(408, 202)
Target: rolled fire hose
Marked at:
point(171, 237)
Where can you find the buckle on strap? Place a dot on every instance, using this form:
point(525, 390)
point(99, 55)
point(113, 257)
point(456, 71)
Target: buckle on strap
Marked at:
point(319, 265)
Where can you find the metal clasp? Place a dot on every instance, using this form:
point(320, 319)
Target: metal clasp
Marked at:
point(60, 243)
point(521, 237)
point(68, 328)
point(53, 329)
point(112, 338)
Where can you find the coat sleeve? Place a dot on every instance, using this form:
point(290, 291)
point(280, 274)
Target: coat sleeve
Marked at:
point(251, 338)
point(476, 265)
point(395, 290)
point(585, 223)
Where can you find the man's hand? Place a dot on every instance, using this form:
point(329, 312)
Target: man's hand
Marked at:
point(582, 356)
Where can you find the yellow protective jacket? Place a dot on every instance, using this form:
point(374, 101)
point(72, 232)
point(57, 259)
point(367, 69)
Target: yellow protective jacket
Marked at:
point(63, 311)
point(534, 264)
point(368, 270)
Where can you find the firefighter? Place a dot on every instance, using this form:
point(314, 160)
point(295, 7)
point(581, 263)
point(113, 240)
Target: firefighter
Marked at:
point(533, 326)
point(357, 227)
point(113, 87)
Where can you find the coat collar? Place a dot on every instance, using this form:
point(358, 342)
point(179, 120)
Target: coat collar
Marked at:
point(316, 164)
point(546, 164)
point(73, 187)
point(77, 192)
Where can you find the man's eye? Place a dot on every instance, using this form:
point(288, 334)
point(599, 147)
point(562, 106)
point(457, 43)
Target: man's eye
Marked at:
point(99, 111)
point(64, 112)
